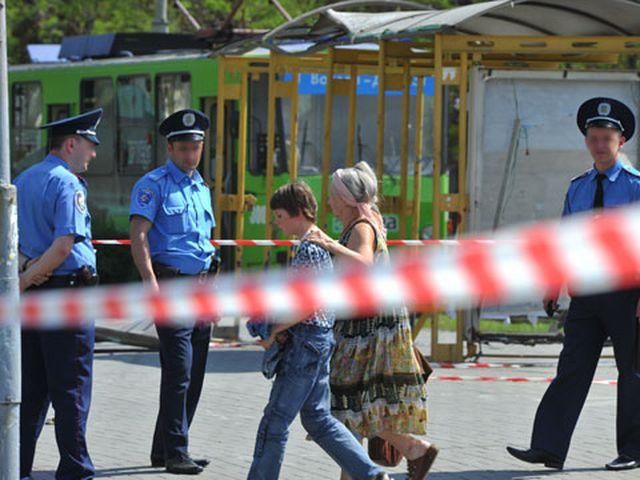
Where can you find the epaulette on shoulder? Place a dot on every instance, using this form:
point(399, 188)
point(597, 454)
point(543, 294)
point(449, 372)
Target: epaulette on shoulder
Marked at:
point(157, 174)
point(629, 169)
point(67, 176)
point(582, 175)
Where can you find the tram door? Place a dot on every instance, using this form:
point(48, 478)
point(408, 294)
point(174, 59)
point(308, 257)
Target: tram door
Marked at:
point(224, 220)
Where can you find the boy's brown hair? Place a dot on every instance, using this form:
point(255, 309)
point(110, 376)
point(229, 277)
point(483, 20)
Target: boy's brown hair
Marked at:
point(295, 198)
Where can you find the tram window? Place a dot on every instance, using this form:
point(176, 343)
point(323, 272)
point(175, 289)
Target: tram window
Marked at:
point(173, 93)
point(136, 124)
point(98, 93)
point(27, 141)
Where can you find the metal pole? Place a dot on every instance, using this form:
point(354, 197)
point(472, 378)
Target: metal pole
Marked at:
point(188, 15)
point(160, 22)
point(10, 333)
point(281, 9)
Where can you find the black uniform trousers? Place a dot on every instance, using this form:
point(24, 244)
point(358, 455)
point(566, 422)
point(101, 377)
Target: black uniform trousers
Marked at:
point(591, 319)
point(183, 362)
point(57, 369)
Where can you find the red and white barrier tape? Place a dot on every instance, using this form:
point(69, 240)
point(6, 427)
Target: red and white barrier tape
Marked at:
point(292, 243)
point(480, 365)
point(587, 253)
point(460, 378)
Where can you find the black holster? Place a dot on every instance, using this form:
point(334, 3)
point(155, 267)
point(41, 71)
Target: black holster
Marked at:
point(165, 271)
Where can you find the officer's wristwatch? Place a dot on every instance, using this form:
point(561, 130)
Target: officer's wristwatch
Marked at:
point(22, 267)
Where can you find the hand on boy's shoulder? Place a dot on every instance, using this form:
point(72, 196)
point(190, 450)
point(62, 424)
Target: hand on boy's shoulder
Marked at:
point(319, 238)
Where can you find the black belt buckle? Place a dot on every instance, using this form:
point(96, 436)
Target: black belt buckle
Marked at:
point(86, 277)
point(165, 271)
point(202, 276)
point(216, 263)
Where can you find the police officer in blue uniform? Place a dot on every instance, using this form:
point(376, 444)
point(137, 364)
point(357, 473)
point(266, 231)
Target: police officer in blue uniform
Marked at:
point(56, 252)
point(606, 124)
point(171, 223)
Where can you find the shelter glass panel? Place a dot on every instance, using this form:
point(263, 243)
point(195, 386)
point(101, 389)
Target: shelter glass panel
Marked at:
point(27, 145)
point(310, 134)
point(311, 116)
point(136, 124)
point(95, 93)
point(427, 137)
point(259, 94)
point(450, 129)
point(173, 93)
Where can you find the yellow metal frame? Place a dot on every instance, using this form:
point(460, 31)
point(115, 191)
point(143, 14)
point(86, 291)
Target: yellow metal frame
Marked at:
point(448, 59)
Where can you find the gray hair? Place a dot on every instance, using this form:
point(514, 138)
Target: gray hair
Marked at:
point(361, 182)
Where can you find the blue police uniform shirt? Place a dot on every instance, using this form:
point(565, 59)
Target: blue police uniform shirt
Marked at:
point(52, 202)
point(621, 186)
point(179, 207)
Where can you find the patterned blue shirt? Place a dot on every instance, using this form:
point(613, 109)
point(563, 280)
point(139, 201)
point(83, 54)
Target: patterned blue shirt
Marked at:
point(314, 258)
point(621, 186)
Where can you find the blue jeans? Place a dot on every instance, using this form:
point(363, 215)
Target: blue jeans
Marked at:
point(302, 386)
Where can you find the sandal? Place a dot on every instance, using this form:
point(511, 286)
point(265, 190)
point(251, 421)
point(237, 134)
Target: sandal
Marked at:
point(419, 468)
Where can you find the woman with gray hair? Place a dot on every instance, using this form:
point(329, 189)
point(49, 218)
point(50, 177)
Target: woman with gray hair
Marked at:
point(376, 383)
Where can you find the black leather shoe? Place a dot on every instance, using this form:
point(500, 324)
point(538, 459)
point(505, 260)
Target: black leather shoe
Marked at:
point(157, 462)
point(623, 462)
point(183, 467)
point(532, 455)
point(203, 462)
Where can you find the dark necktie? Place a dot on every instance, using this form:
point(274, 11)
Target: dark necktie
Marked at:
point(598, 199)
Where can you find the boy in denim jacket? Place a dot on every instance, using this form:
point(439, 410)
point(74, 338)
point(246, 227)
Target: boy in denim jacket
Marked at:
point(302, 378)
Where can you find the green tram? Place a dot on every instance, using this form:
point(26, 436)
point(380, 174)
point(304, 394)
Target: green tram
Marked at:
point(138, 92)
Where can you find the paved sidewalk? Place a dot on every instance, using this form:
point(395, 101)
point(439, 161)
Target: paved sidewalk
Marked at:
point(470, 421)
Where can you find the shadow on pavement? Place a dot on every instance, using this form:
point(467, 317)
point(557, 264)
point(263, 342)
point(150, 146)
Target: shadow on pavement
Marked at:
point(219, 361)
point(125, 471)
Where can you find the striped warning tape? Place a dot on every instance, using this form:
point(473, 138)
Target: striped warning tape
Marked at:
point(520, 265)
point(483, 365)
point(461, 378)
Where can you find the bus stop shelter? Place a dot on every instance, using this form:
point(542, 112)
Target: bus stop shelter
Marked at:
point(399, 42)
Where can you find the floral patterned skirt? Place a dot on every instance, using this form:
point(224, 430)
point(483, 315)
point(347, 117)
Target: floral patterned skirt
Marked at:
point(375, 378)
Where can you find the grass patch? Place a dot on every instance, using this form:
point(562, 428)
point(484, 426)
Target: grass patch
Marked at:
point(447, 323)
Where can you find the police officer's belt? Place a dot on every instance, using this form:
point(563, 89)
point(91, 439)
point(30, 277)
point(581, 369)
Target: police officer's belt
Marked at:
point(165, 271)
point(83, 277)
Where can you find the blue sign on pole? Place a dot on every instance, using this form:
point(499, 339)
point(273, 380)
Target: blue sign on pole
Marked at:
point(316, 84)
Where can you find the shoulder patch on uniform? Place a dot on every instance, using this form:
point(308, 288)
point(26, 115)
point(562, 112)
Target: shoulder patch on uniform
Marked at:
point(157, 174)
point(80, 201)
point(631, 170)
point(144, 197)
point(584, 174)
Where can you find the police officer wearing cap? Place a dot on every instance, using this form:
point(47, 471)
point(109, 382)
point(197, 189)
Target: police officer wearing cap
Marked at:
point(56, 252)
point(171, 223)
point(606, 124)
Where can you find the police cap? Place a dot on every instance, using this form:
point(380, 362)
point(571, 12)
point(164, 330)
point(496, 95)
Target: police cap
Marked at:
point(84, 125)
point(185, 125)
point(606, 113)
